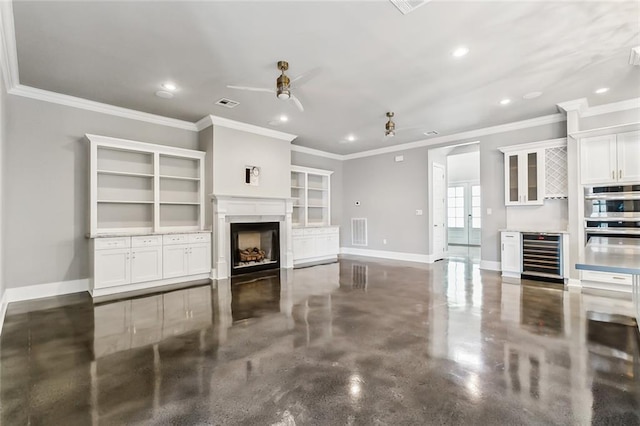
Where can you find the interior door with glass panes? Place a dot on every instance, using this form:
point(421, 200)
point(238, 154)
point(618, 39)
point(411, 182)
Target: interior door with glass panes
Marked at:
point(463, 213)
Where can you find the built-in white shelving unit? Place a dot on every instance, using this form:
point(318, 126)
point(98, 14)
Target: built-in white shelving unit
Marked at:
point(138, 187)
point(311, 193)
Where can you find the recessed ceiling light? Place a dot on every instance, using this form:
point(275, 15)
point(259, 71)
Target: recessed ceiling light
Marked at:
point(460, 51)
point(351, 138)
point(284, 118)
point(169, 86)
point(164, 94)
point(505, 101)
point(532, 95)
point(602, 90)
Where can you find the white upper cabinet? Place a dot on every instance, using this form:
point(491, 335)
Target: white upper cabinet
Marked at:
point(138, 187)
point(610, 158)
point(524, 177)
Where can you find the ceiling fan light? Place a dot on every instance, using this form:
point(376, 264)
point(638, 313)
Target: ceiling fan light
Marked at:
point(390, 133)
point(283, 93)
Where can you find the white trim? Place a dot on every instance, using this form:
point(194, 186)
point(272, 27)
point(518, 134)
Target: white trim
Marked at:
point(549, 143)
point(8, 51)
point(245, 127)
point(112, 142)
point(625, 105)
point(75, 102)
point(383, 254)
point(579, 105)
point(4, 304)
point(516, 125)
point(311, 260)
point(491, 265)
point(203, 123)
point(573, 283)
point(157, 285)
point(301, 169)
point(601, 131)
point(316, 152)
point(38, 291)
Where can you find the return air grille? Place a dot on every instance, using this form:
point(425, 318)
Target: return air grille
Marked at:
point(227, 103)
point(406, 6)
point(359, 231)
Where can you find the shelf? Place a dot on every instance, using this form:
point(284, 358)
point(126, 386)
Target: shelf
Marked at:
point(117, 173)
point(179, 177)
point(317, 207)
point(318, 189)
point(297, 187)
point(124, 202)
point(178, 203)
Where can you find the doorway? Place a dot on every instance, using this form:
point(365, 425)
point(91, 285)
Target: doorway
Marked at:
point(439, 211)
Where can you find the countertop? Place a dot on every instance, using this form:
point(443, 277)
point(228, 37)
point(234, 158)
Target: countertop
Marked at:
point(138, 234)
point(533, 231)
point(612, 254)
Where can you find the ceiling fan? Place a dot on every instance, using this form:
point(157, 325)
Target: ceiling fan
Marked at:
point(390, 129)
point(283, 86)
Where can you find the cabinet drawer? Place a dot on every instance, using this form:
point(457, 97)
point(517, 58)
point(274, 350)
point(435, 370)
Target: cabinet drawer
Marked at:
point(297, 232)
point(175, 239)
point(200, 238)
point(606, 277)
point(146, 241)
point(112, 243)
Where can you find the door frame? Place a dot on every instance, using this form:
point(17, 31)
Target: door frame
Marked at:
point(432, 247)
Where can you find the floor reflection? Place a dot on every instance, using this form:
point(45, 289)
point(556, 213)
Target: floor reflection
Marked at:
point(358, 341)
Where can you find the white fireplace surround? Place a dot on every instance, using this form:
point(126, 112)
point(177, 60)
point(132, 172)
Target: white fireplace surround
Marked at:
point(242, 209)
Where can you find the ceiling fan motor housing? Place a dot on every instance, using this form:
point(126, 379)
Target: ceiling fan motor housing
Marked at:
point(283, 82)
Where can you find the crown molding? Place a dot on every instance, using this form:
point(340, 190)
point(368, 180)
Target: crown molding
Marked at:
point(75, 102)
point(8, 52)
point(316, 152)
point(245, 127)
point(549, 143)
point(502, 128)
point(628, 104)
point(579, 105)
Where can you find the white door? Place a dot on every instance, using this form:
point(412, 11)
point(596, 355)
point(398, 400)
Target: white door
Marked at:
point(439, 214)
point(199, 258)
point(598, 160)
point(112, 268)
point(628, 157)
point(174, 261)
point(146, 264)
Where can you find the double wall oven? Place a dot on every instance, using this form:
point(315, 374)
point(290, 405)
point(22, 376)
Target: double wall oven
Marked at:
point(612, 211)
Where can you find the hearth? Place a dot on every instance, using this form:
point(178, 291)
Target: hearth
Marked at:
point(254, 247)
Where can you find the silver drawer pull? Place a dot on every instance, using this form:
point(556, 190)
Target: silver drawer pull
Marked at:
point(618, 278)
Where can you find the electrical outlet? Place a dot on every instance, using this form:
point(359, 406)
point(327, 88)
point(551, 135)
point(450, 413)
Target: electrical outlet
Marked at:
point(384, 241)
point(489, 211)
point(418, 212)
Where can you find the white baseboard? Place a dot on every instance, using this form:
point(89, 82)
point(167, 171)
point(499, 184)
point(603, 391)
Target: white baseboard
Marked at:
point(574, 284)
point(39, 291)
point(4, 303)
point(490, 265)
point(394, 255)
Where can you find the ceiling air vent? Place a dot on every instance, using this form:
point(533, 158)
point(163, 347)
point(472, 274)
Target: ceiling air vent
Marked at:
point(228, 103)
point(406, 6)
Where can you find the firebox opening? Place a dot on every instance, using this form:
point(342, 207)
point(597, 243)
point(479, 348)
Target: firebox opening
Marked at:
point(255, 247)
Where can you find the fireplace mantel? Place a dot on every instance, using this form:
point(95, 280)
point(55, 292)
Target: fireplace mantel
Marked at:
point(229, 209)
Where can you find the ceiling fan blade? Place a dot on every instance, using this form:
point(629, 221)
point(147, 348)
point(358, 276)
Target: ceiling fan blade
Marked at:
point(305, 77)
point(297, 102)
point(251, 89)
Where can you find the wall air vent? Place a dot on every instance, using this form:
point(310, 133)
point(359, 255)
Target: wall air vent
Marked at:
point(228, 103)
point(359, 231)
point(406, 6)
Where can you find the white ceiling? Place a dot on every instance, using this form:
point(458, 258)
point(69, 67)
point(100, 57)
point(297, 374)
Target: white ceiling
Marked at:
point(363, 58)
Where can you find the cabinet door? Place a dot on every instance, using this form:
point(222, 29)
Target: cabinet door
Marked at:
point(628, 145)
point(199, 258)
point(304, 247)
point(511, 252)
point(174, 261)
point(598, 160)
point(533, 177)
point(512, 179)
point(333, 244)
point(112, 268)
point(146, 264)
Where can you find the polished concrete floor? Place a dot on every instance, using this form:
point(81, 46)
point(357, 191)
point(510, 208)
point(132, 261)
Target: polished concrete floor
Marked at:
point(357, 342)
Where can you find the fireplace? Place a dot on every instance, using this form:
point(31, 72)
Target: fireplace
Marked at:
point(254, 247)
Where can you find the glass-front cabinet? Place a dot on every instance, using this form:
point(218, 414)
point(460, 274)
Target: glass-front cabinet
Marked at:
point(524, 177)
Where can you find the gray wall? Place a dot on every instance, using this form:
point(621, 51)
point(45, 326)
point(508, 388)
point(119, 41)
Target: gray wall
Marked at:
point(46, 187)
point(611, 119)
point(205, 143)
point(308, 160)
point(389, 193)
point(3, 169)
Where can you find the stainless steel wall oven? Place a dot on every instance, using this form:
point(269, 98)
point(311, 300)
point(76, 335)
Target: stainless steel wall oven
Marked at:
point(612, 211)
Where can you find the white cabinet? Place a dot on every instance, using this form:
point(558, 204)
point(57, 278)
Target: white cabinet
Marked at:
point(511, 254)
point(311, 193)
point(140, 260)
point(148, 261)
point(183, 256)
point(610, 158)
point(315, 244)
point(524, 177)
